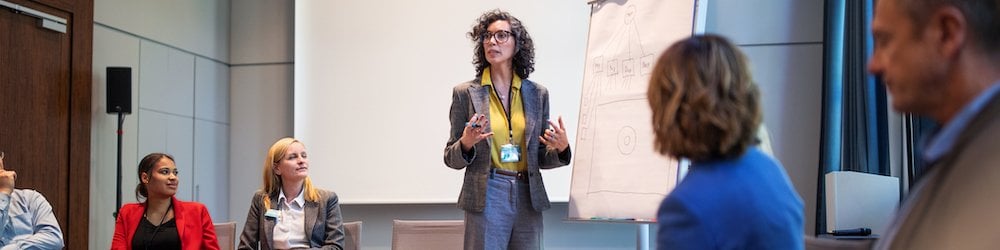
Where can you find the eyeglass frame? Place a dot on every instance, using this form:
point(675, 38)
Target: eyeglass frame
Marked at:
point(487, 36)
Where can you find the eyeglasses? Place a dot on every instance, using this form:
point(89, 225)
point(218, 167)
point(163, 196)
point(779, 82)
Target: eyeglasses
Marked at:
point(500, 36)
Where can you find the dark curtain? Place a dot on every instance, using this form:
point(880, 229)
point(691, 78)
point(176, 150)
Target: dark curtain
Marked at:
point(854, 133)
point(916, 133)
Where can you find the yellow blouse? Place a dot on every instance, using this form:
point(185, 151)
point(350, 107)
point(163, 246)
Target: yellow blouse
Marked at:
point(499, 124)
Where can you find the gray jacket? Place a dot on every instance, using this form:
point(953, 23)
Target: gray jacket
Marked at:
point(471, 98)
point(323, 224)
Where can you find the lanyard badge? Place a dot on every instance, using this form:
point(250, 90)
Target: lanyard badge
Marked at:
point(510, 153)
point(273, 213)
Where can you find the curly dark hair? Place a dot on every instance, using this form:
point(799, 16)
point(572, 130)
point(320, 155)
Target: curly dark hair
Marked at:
point(524, 47)
point(705, 104)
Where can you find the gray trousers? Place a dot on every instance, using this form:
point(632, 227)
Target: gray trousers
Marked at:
point(508, 221)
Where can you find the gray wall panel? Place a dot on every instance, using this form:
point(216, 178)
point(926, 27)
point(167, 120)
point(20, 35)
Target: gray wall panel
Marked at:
point(211, 90)
point(766, 21)
point(262, 31)
point(211, 164)
point(196, 26)
point(167, 79)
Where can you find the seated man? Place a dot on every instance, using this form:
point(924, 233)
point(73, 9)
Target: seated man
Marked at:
point(26, 219)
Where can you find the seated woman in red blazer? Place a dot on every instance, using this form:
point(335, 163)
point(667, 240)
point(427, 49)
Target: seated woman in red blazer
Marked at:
point(162, 221)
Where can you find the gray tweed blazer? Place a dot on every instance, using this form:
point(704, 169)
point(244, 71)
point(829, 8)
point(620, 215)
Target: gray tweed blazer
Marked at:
point(471, 98)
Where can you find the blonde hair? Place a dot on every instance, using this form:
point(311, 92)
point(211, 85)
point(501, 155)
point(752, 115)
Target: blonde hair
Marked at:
point(705, 104)
point(272, 182)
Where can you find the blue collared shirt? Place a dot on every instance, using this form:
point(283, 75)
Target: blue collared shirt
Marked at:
point(27, 222)
point(944, 140)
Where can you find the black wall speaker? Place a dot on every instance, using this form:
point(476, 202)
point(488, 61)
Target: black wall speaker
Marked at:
point(119, 90)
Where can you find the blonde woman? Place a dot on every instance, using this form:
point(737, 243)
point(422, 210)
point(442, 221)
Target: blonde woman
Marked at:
point(289, 212)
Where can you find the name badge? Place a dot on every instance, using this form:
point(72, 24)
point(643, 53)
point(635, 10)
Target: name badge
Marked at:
point(510, 153)
point(272, 213)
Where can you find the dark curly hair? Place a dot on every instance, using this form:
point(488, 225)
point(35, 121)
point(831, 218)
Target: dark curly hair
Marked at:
point(705, 104)
point(524, 47)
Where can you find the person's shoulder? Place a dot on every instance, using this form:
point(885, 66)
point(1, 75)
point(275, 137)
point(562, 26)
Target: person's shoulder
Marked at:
point(466, 85)
point(326, 194)
point(259, 194)
point(193, 204)
point(125, 209)
point(27, 193)
point(28, 196)
point(754, 153)
point(533, 85)
point(190, 205)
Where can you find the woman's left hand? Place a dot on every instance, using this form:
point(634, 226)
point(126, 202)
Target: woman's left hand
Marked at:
point(555, 137)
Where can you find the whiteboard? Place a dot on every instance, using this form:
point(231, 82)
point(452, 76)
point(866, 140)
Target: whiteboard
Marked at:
point(373, 83)
point(617, 173)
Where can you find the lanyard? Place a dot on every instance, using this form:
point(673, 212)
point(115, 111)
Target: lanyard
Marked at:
point(510, 97)
point(156, 229)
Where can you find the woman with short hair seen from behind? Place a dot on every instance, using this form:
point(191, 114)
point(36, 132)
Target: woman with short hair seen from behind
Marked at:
point(161, 221)
point(288, 212)
point(706, 108)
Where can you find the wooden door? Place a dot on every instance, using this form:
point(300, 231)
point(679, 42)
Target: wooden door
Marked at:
point(45, 105)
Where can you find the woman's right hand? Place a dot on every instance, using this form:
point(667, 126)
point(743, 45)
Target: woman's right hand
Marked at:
point(474, 131)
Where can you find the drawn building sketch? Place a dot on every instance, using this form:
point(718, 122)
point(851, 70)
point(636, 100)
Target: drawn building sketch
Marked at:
point(616, 171)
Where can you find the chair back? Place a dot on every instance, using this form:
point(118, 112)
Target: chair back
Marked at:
point(352, 235)
point(225, 232)
point(428, 234)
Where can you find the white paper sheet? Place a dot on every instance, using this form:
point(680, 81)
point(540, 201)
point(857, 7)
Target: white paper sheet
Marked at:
point(617, 173)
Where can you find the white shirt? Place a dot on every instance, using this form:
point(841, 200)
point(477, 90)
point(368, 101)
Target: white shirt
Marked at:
point(289, 231)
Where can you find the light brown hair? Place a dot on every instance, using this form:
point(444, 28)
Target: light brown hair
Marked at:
point(705, 104)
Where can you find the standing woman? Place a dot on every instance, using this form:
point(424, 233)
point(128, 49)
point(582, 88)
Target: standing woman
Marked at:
point(288, 212)
point(498, 134)
point(162, 221)
point(706, 108)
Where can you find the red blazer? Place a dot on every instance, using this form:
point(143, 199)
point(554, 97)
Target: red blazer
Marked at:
point(194, 225)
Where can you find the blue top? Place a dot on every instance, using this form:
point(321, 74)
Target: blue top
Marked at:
point(27, 222)
point(944, 139)
point(742, 203)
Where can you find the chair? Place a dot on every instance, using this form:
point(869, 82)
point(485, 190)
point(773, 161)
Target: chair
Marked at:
point(428, 234)
point(226, 234)
point(817, 243)
point(352, 235)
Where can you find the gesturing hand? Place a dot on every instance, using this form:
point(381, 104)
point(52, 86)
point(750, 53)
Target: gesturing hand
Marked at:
point(6, 178)
point(555, 137)
point(474, 131)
